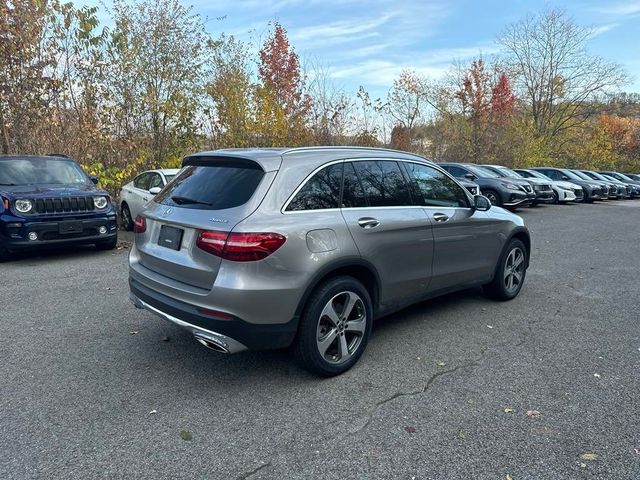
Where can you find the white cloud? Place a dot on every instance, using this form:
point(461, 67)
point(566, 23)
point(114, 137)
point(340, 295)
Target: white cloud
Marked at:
point(603, 29)
point(622, 9)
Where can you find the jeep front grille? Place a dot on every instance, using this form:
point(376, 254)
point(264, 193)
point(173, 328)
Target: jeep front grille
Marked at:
point(64, 205)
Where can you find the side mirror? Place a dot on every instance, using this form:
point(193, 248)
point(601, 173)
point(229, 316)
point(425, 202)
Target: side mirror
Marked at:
point(94, 179)
point(154, 190)
point(470, 176)
point(564, 177)
point(481, 203)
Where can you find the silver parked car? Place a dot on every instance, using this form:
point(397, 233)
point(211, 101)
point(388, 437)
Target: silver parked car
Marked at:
point(139, 191)
point(305, 247)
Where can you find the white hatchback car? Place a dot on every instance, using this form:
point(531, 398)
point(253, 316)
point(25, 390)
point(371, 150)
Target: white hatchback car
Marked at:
point(135, 194)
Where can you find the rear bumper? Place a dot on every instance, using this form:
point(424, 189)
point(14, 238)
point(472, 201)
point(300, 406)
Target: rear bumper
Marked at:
point(232, 335)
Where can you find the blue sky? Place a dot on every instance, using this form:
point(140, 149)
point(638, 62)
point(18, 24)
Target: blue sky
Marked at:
point(368, 42)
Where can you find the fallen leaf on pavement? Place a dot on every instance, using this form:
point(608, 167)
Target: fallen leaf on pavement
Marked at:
point(153, 412)
point(532, 413)
point(471, 401)
point(489, 326)
point(165, 339)
point(185, 435)
point(508, 477)
point(461, 435)
point(133, 332)
point(441, 364)
point(597, 375)
point(508, 410)
point(589, 456)
point(409, 429)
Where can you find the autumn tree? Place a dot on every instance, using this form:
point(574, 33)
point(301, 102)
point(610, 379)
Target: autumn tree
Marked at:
point(408, 100)
point(26, 49)
point(556, 76)
point(282, 106)
point(330, 109)
point(156, 65)
point(503, 100)
point(231, 92)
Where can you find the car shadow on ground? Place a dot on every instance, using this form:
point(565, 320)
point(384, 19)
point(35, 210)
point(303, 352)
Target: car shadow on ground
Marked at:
point(175, 351)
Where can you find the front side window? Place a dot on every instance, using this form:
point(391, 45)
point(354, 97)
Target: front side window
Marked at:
point(352, 192)
point(456, 171)
point(383, 183)
point(142, 181)
point(156, 181)
point(434, 188)
point(321, 191)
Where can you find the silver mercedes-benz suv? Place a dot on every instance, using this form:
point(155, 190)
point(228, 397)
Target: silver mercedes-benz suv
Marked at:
point(305, 247)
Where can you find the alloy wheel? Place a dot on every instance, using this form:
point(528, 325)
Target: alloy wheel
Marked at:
point(492, 198)
point(514, 270)
point(341, 327)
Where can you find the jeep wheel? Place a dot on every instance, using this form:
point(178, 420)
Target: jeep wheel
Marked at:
point(510, 272)
point(4, 254)
point(108, 245)
point(334, 327)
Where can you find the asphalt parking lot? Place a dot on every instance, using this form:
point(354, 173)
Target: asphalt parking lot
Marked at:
point(544, 386)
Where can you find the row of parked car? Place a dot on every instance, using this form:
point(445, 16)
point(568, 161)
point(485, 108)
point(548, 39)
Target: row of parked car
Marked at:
point(512, 188)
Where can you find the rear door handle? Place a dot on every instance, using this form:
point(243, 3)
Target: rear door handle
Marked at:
point(440, 217)
point(368, 222)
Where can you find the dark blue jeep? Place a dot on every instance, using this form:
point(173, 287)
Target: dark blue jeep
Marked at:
point(50, 200)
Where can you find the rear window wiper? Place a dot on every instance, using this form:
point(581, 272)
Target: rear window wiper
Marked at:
point(191, 201)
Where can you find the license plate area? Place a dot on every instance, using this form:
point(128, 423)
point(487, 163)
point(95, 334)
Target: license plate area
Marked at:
point(69, 227)
point(170, 237)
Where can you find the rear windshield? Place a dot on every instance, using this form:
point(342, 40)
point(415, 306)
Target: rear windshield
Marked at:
point(39, 171)
point(212, 187)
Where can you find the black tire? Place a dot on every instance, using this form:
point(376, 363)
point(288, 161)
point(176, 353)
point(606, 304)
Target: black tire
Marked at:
point(4, 254)
point(125, 217)
point(314, 325)
point(493, 197)
point(556, 200)
point(108, 244)
point(497, 288)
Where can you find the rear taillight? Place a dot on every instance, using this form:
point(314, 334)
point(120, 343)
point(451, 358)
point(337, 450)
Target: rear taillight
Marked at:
point(140, 225)
point(240, 247)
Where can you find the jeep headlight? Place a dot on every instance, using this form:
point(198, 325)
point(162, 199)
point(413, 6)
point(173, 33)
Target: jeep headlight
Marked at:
point(100, 202)
point(23, 205)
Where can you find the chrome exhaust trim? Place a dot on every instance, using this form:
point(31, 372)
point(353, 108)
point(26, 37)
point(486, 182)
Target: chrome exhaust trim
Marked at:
point(212, 340)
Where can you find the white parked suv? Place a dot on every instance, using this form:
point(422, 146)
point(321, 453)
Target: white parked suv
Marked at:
point(135, 194)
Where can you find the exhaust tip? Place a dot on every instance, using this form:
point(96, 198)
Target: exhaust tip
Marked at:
point(211, 344)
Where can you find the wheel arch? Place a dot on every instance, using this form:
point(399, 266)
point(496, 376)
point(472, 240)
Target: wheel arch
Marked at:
point(522, 234)
point(357, 268)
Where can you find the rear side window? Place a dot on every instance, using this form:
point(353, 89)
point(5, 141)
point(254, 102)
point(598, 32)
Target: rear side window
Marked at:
point(320, 191)
point(216, 186)
point(434, 188)
point(383, 183)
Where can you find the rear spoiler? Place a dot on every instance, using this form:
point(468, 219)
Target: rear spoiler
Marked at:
point(220, 161)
